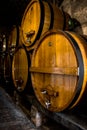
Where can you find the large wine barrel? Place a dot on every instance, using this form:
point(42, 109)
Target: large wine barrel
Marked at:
point(14, 38)
point(20, 66)
point(39, 17)
point(5, 68)
point(59, 70)
point(1, 68)
point(4, 43)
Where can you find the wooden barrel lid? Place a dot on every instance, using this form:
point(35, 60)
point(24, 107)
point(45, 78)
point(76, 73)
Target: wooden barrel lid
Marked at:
point(7, 67)
point(4, 43)
point(13, 38)
point(31, 22)
point(55, 71)
point(20, 68)
point(39, 17)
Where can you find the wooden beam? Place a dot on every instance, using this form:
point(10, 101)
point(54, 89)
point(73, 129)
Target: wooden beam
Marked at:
point(56, 70)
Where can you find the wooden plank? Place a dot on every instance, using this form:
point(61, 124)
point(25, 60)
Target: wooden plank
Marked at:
point(56, 70)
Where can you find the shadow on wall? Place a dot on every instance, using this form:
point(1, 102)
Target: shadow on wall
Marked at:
point(78, 11)
point(77, 27)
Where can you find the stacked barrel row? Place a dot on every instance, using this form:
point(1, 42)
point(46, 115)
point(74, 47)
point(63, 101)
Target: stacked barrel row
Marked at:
point(55, 59)
point(38, 18)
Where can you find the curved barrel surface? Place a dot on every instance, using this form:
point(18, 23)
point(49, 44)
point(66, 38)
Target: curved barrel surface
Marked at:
point(20, 68)
point(14, 38)
point(39, 17)
point(7, 67)
point(59, 70)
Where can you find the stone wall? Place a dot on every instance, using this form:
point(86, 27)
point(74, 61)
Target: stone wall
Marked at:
point(78, 10)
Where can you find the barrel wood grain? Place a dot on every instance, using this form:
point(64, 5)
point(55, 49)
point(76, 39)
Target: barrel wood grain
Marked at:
point(55, 50)
point(20, 69)
point(38, 18)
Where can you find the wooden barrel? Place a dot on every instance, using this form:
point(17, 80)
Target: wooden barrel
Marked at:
point(5, 68)
point(14, 38)
point(59, 70)
point(4, 43)
point(1, 68)
point(39, 17)
point(20, 65)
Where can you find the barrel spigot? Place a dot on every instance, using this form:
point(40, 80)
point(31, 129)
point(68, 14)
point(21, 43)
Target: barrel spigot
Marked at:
point(19, 88)
point(19, 83)
point(29, 35)
point(50, 93)
point(44, 92)
point(48, 104)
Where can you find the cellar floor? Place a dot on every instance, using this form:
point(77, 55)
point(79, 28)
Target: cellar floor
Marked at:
point(13, 118)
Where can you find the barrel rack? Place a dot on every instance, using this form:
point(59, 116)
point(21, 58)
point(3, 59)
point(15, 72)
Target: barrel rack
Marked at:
point(70, 120)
